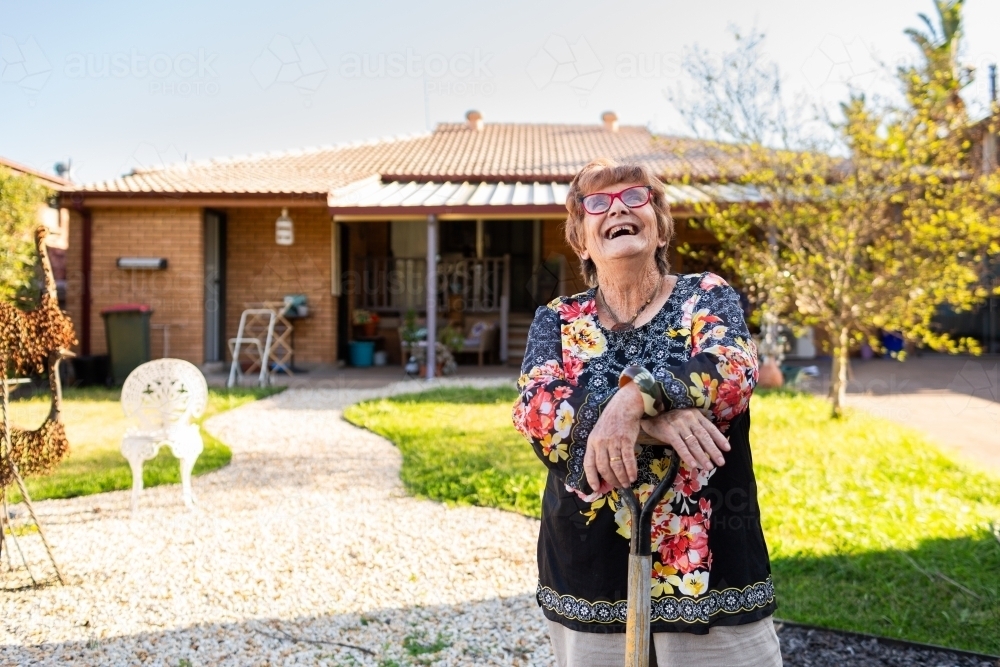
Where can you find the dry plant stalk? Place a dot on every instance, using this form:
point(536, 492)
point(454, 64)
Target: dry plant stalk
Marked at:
point(35, 342)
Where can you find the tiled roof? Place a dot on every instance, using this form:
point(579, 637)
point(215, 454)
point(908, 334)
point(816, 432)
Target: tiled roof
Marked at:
point(453, 152)
point(50, 180)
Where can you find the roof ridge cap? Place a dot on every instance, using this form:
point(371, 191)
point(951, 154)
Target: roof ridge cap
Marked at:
point(544, 124)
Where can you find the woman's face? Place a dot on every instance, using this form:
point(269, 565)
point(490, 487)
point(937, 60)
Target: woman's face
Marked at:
point(620, 233)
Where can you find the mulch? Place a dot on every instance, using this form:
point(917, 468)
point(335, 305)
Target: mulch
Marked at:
point(804, 646)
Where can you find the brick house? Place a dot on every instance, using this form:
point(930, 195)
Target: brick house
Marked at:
point(488, 199)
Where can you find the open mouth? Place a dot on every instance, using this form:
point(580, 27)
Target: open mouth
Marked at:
point(624, 229)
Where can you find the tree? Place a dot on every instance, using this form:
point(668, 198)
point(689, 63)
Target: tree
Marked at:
point(20, 198)
point(874, 240)
point(739, 98)
point(939, 78)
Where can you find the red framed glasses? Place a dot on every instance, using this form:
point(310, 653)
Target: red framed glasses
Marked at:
point(600, 202)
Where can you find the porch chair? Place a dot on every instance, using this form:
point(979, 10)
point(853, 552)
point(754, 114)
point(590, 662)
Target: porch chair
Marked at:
point(479, 339)
point(163, 396)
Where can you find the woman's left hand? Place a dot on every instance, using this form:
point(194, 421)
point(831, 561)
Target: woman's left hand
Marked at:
point(610, 452)
point(693, 436)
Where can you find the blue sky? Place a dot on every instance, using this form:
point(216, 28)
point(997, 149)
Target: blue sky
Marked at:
point(116, 85)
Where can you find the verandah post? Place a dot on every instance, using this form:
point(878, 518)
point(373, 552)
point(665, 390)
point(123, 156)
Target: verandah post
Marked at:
point(505, 311)
point(432, 229)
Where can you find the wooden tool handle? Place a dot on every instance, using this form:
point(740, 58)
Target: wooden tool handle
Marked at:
point(637, 635)
point(646, 439)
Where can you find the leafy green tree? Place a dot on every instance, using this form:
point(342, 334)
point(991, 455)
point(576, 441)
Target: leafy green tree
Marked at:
point(873, 242)
point(20, 198)
point(874, 239)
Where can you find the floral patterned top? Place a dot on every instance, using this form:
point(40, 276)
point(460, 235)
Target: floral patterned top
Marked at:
point(710, 563)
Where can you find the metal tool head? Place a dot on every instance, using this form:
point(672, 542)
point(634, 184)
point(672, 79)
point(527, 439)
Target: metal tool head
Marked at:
point(642, 515)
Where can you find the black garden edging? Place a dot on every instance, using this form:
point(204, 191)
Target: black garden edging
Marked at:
point(804, 645)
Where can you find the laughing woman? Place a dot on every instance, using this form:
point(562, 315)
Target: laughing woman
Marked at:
point(669, 354)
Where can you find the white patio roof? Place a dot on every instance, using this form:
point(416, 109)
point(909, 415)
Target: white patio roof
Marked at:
point(371, 195)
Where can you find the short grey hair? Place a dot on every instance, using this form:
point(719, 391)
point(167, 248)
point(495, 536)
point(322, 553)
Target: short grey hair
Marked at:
point(604, 172)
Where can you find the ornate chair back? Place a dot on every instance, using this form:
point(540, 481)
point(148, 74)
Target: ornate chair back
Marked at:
point(164, 393)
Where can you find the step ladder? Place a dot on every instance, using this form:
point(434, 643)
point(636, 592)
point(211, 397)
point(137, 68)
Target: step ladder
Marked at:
point(254, 340)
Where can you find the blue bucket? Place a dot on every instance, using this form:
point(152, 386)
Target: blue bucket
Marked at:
point(361, 352)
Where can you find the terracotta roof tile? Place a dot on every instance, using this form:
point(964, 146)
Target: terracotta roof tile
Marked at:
point(50, 180)
point(498, 152)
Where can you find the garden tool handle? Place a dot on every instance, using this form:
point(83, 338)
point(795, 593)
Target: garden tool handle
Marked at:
point(637, 616)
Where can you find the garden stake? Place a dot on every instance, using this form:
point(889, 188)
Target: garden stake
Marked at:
point(637, 632)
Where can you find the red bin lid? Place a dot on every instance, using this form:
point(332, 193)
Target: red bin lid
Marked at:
point(128, 308)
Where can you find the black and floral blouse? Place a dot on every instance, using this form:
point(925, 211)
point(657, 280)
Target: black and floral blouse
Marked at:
point(710, 563)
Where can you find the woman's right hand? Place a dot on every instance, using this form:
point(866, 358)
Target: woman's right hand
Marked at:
point(692, 435)
point(610, 457)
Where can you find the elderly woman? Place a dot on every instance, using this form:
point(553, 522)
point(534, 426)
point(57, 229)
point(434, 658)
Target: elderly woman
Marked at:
point(669, 354)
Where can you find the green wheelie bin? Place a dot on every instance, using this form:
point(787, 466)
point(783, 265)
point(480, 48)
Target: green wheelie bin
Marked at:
point(126, 327)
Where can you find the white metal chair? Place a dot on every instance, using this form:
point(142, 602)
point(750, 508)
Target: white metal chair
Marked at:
point(163, 396)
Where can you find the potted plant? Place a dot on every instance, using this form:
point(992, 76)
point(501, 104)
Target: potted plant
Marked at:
point(444, 362)
point(452, 338)
point(409, 332)
point(367, 321)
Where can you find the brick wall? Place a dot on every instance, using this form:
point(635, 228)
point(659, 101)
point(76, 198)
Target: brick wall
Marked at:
point(175, 294)
point(257, 270)
point(554, 243)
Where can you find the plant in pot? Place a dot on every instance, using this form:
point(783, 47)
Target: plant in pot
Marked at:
point(444, 361)
point(409, 332)
point(452, 338)
point(367, 322)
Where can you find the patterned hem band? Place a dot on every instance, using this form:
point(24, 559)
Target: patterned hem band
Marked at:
point(651, 390)
point(667, 609)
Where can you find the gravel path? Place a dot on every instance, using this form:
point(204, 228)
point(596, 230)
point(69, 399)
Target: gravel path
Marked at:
point(307, 534)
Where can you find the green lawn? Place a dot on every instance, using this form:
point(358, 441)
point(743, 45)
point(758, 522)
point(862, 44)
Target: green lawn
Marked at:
point(870, 527)
point(95, 425)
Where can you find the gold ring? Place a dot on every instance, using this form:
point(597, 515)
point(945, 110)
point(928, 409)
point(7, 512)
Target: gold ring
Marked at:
point(689, 435)
point(616, 458)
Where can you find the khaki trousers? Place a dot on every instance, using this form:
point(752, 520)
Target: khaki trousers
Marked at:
point(750, 645)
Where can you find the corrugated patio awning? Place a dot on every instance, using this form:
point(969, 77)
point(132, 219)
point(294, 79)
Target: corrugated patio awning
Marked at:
point(372, 196)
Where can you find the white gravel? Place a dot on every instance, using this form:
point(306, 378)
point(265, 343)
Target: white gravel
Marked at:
point(309, 535)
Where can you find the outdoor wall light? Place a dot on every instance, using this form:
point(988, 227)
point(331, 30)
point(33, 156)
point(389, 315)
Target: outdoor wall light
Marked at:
point(144, 263)
point(284, 233)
